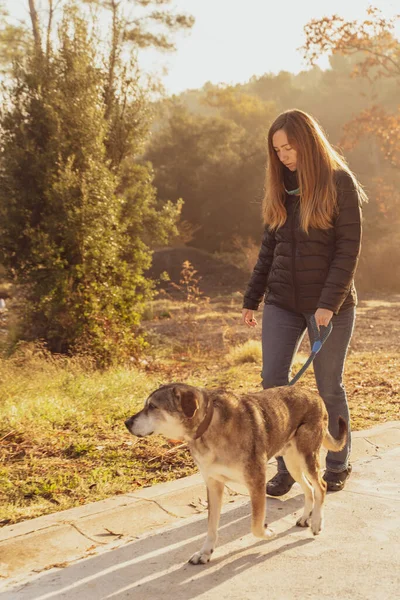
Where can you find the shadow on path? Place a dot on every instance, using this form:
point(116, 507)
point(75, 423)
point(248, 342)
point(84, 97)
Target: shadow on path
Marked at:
point(156, 566)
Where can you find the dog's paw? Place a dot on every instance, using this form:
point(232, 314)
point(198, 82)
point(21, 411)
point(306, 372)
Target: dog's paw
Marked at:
point(265, 533)
point(316, 526)
point(200, 558)
point(268, 534)
point(303, 522)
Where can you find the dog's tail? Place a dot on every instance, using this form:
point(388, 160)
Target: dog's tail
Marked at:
point(336, 444)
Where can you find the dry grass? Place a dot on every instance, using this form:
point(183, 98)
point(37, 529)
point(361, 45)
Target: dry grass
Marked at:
point(249, 352)
point(62, 435)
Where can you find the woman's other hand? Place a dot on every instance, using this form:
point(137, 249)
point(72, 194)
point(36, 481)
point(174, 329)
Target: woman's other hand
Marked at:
point(248, 317)
point(323, 316)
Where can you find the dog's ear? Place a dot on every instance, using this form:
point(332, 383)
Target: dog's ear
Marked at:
point(188, 402)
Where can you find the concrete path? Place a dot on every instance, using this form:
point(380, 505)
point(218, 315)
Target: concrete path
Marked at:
point(357, 556)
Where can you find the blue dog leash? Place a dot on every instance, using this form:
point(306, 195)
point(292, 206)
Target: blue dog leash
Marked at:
point(319, 338)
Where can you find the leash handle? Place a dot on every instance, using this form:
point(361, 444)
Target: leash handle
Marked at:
point(320, 335)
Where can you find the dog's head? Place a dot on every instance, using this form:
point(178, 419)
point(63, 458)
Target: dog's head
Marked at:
point(174, 410)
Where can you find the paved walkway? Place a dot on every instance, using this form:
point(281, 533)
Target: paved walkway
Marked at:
point(355, 557)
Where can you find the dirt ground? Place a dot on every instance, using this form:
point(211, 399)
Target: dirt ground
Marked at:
point(199, 339)
point(217, 324)
point(377, 325)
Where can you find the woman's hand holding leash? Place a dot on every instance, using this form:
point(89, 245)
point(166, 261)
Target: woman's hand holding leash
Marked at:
point(323, 317)
point(248, 317)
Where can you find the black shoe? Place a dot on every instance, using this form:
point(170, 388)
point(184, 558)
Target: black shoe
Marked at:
point(280, 484)
point(335, 481)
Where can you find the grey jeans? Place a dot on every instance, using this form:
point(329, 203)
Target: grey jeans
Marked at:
point(282, 332)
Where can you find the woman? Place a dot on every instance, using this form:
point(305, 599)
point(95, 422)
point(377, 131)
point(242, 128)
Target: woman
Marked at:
point(306, 266)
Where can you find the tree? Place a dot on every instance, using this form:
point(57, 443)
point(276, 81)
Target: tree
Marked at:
point(377, 56)
point(135, 25)
point(216, 165)
point(372, 39)
point(375, 51)
point(73, 226)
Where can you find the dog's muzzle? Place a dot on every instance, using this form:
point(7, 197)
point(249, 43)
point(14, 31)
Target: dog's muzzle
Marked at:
point(128, 424)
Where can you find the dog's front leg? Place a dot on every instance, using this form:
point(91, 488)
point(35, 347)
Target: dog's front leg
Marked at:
point(256, 489)
point(215, 490)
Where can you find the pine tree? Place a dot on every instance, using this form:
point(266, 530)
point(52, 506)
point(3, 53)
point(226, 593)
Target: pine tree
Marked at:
point(72, 235)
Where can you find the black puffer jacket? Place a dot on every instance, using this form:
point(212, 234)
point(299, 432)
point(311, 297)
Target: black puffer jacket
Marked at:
point(302, 272)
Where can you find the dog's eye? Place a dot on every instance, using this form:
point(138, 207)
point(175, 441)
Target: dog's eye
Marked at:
point(151, 407)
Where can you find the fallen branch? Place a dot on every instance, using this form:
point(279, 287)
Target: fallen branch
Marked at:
point(7, 434)
point(170, 451)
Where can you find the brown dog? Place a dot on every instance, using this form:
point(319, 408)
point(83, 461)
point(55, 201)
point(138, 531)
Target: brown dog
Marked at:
point(231, 439)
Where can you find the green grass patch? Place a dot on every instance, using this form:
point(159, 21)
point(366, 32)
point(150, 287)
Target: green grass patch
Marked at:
point(62, 436)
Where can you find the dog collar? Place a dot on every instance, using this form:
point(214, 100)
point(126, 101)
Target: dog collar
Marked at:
point(204, 425)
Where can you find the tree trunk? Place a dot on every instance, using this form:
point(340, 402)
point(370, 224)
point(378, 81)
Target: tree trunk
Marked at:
point(49, 25)
point(35, 26)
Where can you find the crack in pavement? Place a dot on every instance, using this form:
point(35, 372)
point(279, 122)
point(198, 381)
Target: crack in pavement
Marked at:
point(159, 505)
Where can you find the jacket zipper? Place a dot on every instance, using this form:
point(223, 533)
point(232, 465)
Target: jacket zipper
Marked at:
point(294, 256)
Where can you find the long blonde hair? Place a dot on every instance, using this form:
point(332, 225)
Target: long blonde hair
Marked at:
point(317, 162)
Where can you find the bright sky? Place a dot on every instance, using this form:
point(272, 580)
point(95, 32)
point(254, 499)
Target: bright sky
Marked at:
point(232, 40)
